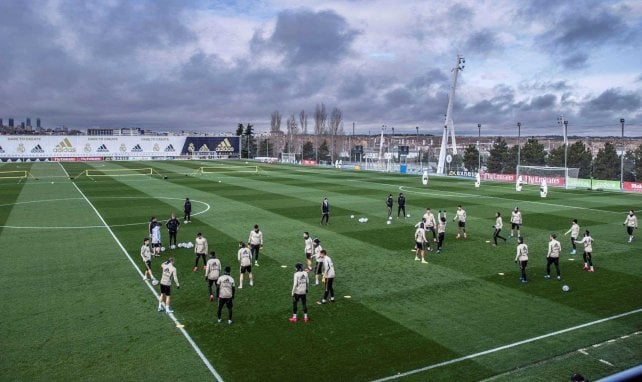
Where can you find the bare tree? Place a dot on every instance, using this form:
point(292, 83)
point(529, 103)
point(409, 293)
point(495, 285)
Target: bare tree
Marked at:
point(336, 118)
point(303, 122)
point(275, 122)
point(320, 121)
point(291, 130)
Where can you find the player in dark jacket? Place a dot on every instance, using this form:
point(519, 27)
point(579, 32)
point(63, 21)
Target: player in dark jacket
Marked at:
point(172, 226)
point(187, 208)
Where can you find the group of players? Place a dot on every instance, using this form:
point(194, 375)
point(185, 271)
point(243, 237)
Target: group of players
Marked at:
point(222, 287)
point(428, 223)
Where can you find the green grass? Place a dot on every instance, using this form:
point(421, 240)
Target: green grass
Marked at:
point(75, 308)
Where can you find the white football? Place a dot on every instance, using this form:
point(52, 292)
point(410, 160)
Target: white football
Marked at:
point(185, 221)
point(162, 249)
point(408, 215)
point(351, 216)
point(154, 282)
point(181, 245)
point(566, 288)
point(172, 246)
point(389, 217)
point(388, 222)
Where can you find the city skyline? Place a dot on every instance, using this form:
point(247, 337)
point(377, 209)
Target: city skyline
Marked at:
point(207, 67)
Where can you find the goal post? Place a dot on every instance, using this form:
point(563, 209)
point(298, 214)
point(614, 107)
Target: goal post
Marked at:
point(96, 172)
point(565, 177)
point(228, 169)
point(16, 174)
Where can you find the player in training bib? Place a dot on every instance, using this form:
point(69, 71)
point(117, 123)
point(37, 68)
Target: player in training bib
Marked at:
point(299, 293)
point(575, 232)
point(328, 277)
point(318, 268)
point(212, 273)
point(522, 258)
point(553, 256)
point(226, 291)
point(431, 223)
point(308, 250)
point(244, 256)
point(168, 273)
point(420, 244)
point(146, 254)
point(631, 223)
point(461, 217)
point(255, 240)
point(515, 221)
point(200, 250)
point(587, 240)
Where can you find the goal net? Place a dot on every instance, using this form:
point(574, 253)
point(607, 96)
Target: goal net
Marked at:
point(227, 169)
point(14, 174)
point(92, 173)
point(554, 176)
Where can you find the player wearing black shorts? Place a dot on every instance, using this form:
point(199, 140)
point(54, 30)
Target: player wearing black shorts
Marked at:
point(187, 210)
point(318, 269)
point(299, 293)
point(245, 260)
point(226, 294)
point(172, 228)
point(401, 205)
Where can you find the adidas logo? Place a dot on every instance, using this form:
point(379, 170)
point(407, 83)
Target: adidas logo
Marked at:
point(102, 149)
point(169, 148)
point(137, 148)
point(37, 150)
point(225, 146)
point(204, 148)
point(64, 146)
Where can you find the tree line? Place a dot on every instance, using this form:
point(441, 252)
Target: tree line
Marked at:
point(605, 165)
point(326, 126)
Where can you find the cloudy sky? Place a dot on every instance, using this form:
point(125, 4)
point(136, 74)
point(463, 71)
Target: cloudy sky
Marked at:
point(208, 65)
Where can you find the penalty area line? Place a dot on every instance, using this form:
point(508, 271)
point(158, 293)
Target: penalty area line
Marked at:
point(500, 348)
point(171, 315)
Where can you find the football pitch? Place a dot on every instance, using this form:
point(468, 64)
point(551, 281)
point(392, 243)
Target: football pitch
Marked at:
point(75, 306)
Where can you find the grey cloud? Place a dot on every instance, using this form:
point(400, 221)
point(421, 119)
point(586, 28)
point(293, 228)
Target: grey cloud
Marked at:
point(544, 86)
point(483, 42)
point(307, 37)
point(432, 77)
point(546, 101)
point(461, 12)
point(613, 100)
point(577, 60)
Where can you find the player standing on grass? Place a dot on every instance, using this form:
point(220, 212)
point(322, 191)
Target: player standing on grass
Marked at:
point(575, 232)
point(430, 223)
point(156, 236)
point(244, 256)
point(212, 273)
point(389, 203)
point(318, 268)
point(325, 211)
point(299, 292)
point(401, 205)
point(553, 256)
point(172, 227)
point(522, 258)
point(328, 277)
point(631, 223)
point(587, 240)
point(169, 272)
point(256, 243)
point(515, 221)
point(225, 295)
point(187, 209)
point(146, 254)
point(200, 250)
point(499, 224)
point(420, 244)
point(441, 230)
point(309, 249)
point(460, 216)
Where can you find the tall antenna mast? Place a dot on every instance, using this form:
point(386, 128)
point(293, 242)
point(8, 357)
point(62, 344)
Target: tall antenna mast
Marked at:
point(449, 124)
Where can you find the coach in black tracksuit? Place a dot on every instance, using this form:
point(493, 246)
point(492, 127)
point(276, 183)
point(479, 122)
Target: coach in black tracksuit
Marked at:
point(401, 205)
point(187, 208)
point(172, 226)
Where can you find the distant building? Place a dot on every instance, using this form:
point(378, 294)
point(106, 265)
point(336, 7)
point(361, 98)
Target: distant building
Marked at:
point(38, 123)
point(28, 121)
point(100, 131)
point(1, 124)
point(10, 122)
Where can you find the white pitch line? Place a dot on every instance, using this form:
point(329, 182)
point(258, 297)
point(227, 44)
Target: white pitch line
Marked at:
point(605, 362)
point(583, 351)
point(171, 315)
point(500, 348)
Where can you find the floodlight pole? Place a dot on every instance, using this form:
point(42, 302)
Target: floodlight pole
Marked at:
point(566, 154)
point(478, 149)
point(417, 146)
point(519, 147)
point(622, 157)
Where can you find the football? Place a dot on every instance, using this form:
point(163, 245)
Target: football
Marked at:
point(162, 249)
point(154, 282)
point(388, 222)
point(565, 288)
point(351, 216)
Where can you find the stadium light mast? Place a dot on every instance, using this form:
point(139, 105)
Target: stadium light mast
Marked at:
point(478, 148)
point(622, 157)
point(519, 147)
point(448, 124)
